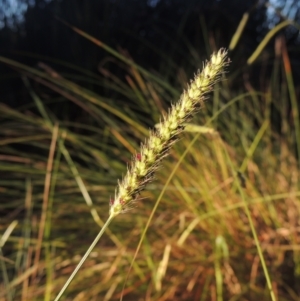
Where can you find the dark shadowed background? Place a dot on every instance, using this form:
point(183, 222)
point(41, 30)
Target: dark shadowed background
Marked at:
point(31, 32)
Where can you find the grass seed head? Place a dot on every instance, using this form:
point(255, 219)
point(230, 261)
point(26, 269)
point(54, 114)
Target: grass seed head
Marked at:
point(142, 167)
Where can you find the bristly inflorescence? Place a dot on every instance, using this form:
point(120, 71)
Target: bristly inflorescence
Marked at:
point(157, 146)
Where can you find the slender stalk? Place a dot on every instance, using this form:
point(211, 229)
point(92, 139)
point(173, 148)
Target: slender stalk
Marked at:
point(87, 253)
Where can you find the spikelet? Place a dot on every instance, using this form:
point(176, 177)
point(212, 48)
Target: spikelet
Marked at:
point(157, 146)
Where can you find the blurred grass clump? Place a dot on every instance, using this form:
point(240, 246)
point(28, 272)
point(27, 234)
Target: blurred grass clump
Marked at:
point(60, 164)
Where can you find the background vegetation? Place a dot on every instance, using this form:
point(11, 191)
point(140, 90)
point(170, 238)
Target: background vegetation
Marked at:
point(77, 102)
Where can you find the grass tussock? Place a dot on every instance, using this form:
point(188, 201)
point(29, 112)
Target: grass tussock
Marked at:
point(219, 222)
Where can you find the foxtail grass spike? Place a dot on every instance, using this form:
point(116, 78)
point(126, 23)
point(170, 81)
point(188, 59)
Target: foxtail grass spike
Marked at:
point(144, 164)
